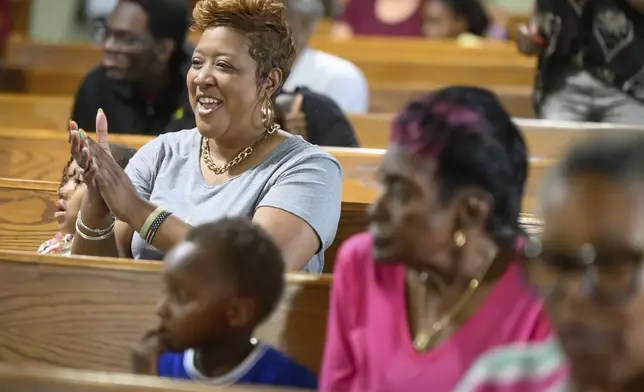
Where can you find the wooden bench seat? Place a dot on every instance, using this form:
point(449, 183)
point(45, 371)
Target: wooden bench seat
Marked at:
point(43, 378)
point(385, 97)
point(59, 68)
point(86, 312)
point(41, 154)
point(27, 209)
point(544, 138)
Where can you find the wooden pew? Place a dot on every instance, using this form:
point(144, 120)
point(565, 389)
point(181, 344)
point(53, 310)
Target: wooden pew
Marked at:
point(86, 312)
point(392, 97)
point(39, 378)
point(412, 47)
point(52, 111)
point(35, 111)
point(26, 213)
point(41, 154)
point(27, 208)
point(46, 68)
point(544, 138)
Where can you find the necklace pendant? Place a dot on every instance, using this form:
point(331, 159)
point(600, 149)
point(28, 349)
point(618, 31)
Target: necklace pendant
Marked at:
point(421, 341)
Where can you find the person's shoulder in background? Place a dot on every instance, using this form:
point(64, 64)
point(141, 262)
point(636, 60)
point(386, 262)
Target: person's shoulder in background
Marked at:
point(327, 125)
point(333, 76)
point(89, 97)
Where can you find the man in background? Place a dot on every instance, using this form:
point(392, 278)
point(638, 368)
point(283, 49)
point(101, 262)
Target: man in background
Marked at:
point(140, 84)
point(322, 73)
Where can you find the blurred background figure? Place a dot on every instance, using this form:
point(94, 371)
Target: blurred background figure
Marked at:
point(321, 72)
point(141, 82)
point(5, 26)
point(380, 17)
point(591, 66)
point(454, 18)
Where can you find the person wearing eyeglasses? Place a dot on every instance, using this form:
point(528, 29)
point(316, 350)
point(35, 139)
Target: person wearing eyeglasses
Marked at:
point(587, 266)
point(141, 81)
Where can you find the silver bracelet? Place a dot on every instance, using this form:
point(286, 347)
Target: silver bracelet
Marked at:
point(98, 232)
point(91, 238)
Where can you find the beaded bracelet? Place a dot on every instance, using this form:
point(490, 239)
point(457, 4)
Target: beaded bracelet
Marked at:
point(154, 227)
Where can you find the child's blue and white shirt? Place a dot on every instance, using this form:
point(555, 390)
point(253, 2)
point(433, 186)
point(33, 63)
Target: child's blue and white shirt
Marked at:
point(264, 365)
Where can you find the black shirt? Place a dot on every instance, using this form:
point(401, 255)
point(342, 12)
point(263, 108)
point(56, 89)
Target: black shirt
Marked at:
point(326, 124)
point(603, 37)
point(130, 112)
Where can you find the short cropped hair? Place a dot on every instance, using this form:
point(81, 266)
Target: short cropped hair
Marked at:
point(167, 18)
point(261, 21)
point(246, 255)
point(616, 157)
point(476, 144)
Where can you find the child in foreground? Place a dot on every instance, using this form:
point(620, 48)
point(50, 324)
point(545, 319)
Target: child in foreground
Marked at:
point(220, 283)
point(70, 194)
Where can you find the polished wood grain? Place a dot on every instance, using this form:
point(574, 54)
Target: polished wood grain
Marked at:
point(26, 213)
point(86, 312)
point(35, 111)
point(41, 154)
point(28, 222)
point(387, 97)
point(59, 68)
point(544, 138)
point(27, 209)
point(43, 378)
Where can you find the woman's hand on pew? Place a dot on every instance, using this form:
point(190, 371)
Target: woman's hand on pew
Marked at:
point(146, 352)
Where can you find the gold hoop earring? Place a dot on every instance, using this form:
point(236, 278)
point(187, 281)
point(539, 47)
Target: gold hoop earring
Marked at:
point(460, 238)
point(268, 116)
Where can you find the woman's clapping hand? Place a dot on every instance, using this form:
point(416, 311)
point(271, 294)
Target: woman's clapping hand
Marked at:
point(108, 185)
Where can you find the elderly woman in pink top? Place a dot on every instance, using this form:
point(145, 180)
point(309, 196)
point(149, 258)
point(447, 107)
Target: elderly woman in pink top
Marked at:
point(435, 282)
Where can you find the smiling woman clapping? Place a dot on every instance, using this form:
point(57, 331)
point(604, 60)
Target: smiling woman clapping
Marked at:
point(236, 162)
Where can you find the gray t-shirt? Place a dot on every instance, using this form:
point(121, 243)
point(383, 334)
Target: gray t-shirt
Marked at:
point(297, 177)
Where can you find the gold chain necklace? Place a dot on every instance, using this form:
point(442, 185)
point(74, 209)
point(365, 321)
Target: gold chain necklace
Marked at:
point(245, 153)
point(423, 339)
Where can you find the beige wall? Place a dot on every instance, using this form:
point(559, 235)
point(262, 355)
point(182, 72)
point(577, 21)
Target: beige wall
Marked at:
point(54, 21)
point(515, 6)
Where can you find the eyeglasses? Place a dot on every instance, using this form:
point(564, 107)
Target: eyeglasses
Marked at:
point(121, 40)
point(606, 274)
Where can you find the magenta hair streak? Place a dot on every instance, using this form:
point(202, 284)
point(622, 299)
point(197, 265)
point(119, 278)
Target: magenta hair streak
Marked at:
point(425, 125)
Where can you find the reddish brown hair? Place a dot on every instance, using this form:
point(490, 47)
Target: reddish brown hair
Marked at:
point(261, 21)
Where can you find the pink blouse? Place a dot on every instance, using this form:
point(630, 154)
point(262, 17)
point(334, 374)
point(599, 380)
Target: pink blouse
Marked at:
point(361, 16)
point(368, 344)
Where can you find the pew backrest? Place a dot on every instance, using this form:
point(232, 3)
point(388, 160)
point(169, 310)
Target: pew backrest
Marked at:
point(86, 312)
point(42, 378)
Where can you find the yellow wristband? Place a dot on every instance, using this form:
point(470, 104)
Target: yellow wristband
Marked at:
point(143, 232)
